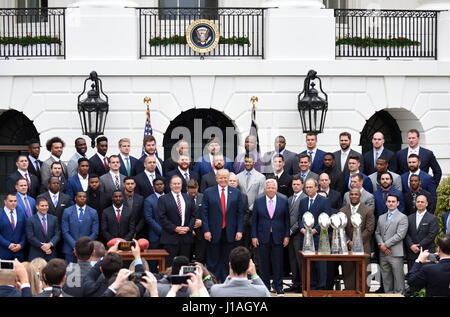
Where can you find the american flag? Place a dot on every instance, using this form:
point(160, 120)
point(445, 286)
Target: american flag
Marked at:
point(253, 125)
point(148, 124)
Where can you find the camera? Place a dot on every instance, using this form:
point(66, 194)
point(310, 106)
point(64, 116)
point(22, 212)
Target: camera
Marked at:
point(179, 279)
point(7, 265)
point(56, 291)
point(136, 277)
point(188, 269)
point(126, 246)
point(432, 257)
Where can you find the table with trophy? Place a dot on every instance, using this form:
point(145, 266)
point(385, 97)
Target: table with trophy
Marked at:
point(337, 252)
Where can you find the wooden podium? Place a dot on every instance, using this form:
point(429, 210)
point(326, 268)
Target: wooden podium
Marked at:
point(359, 259)
point(157, 254)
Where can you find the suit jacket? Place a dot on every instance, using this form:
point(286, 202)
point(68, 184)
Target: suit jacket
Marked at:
point(208, 180)
point(170, 219)
point(424, 235)
point(321, 204)
point(335, 199)
point(255, 187)
point(397, 181)
point(263, 225)
point(392, 233)
point(108, 186)
point(239, 287)
point(337, 178)
point(151, 216)
point(45, 170)
point(369, 164)
point(33, 190)
point(72, 165)
point(143, 185)
point(212, 214)
point(140, 166)
point(317, 163)
point(63, 202)
point(123, 166)
point(310, 175)
point(111, 228)
point(337, 160)
point(267, 160)
point(72, 228)
point(32, 168)
point(367, 224)
point(380, 202)
point(192, 175)
point(293, 212)
point(21, 206)
point(8, 236)
point(199, 234)
point(410, 202)
point(434, 277)
point(426, 182)
point(238, 164)
point(367, 183)
point(203, 166)
point(97, 166)
point(62, 188)
point(35, 235)
point(366, 199)
point(284, 184)
point(444, 220)
point(10, 291)
point(138, 213)
point(73, 185)
point(427, 161)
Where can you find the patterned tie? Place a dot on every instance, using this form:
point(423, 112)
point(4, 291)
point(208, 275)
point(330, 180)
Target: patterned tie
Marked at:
point(80, 218)
point(44, 225)
point(13, 224)
point(186, 176)
point(310, 204)
point(310, 153)
point(353, 210)
point(27, 204)
point(303, 177)
point(180, 211)
point(117, 182)
point(223, 203)
point(128, 166)
point(390, 215)
point(248, 179)
point(28, 181)
point(55, 200)
point(105, 164)
point(118, 215)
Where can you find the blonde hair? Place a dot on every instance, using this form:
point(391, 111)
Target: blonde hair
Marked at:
point(39, 264)
point(144, 264)
point(127, 140)
point(33, 278)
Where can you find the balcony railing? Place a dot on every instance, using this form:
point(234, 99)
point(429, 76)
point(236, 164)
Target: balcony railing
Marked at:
point(32, 32)
point(386, 33)
point(163, 31)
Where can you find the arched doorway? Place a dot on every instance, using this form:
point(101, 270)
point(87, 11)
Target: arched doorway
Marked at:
point(383, 122)
point(16, 131)
point(197, 126)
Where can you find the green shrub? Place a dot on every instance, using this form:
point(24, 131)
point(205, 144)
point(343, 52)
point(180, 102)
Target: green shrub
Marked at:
point(181, 39)
point(443, 194)
point(30, 40)
point(371, 42)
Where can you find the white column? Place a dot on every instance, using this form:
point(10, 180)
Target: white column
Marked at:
point(434, 5)
point(295, 3)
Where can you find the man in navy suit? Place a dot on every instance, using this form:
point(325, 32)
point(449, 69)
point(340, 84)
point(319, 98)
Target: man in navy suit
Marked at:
point(341, 156)
point(127, 162)
point(354, 168)
point(204, 165)
point(435, 278)
point(43, 232)
point(80, 181)
point(315, 204)
point(12, 230)
point(177, 217)
point(98, 163)
point(426, 157)
point(270, 233)
point(370, 157)
point(381, 194)
point(183, 172)
point(316, 157)
point(77, 221)
point(149, 144)
point(250, 147)
point(22, 164)
point(426, 181)
point(34, 166)
point(118, 219)
point(26, 204)
point(223, 223)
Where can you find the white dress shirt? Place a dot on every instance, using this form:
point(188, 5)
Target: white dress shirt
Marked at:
point(225, 192)
point(419, 217)
point(413, 151)
point(149, 175)
point(84, 182)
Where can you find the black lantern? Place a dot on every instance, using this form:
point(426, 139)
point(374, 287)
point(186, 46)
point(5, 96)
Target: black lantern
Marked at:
point(93, 109)
point(312, 108)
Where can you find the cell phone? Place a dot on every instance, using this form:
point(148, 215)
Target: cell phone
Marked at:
point(7, 265)
point(433, 257)
point(179, 279)
point(188, 269)
point(126, 246)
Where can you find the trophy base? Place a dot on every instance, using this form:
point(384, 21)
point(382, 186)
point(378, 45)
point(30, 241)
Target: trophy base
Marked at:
point(357, 253)
point(309, 252)
point(323, 252)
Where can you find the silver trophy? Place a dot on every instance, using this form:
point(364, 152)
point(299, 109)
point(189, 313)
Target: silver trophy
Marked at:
point(342, 235)
point(336, 247)
point(324, 242)
point(308, 241)
point(357, 242)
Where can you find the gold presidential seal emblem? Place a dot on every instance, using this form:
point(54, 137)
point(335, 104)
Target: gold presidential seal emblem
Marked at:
point(202, 36)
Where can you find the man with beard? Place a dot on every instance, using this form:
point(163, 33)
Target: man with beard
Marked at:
point(341, 156)
point(426, 180)
point(382, 166)
point(209, 180)
point(337, 179)
point(183, 171)
point(416, 191)
point(381, 194)
point(81, 149)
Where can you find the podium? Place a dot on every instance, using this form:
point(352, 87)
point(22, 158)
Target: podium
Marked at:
point(360, 261)
point(156, 254)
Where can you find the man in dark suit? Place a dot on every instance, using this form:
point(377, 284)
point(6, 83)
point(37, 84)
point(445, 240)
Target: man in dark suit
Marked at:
point(370, 157)
point(250, 148)
point(118, 219)
point(25, 203)
point(8, 278)
point(314, 153)
point(337, 178)
point(426, 157)
point(184, 161)
point(98, 163)
point(246, 240)
point(136, 203)
point(209, 180)
point(128, 163)
point(149, 144)
point(80, 181)
point(177, 218)
point(34, 166)
point(333, 196)
point(284, 180)
point(354, 167)
point(55, 146)
point(315, 204)
point(426, 181)
point(56, 171)
point(144, 180)
point(435, 278)
point(270, 234)
point(199, 252)
point(423, 227)
point(43, 232)
point(12, 230)
point(22, 164)
point(279, 148)
point(204, 165)
point(223, 223)
point(341, 156)
point(112, 180)
point(78, 220)
point(171, 163)
point(96, 198)
point(416, 190)
point(57, 201)
point(381, 194)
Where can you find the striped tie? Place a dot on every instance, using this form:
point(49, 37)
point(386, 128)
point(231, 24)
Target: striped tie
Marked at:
point(13, 224)
point(44, 225)
point(180, 211)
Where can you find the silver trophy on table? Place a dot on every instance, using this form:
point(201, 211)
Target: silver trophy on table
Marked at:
point(308, 241)
point(324, 242)
point(357, 242)
point(342, 235)
point(336, 247)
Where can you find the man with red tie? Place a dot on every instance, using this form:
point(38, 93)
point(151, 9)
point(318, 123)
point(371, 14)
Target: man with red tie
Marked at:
point(12, 230)
point(118, 220)
point(223, 223)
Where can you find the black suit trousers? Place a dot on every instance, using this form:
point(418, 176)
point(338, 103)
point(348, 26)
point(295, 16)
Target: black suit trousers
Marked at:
point(217, 257)
point(184, 249)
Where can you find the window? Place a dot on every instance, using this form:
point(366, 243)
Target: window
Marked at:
point(208, 9)
point(35, 15)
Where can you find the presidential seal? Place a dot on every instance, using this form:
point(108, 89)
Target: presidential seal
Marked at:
point(202, 36)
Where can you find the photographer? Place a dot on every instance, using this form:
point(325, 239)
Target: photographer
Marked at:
point(435, 278)
point(54, 275)
point(10, 278)
point(194, 284)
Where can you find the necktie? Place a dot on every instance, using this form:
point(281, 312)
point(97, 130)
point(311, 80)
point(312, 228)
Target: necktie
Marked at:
point(37, 165)
point(343, 160)
point(13, 224)
point(105, 164)
point(310, 153)
point(55, 200)
point(117, 182)
point(186, 176)
point(128, 166)
point(248, 179)
point(271, 208)
point(222, 201)
point(303, 176)
point(118, 215)
point(376, 158)
point(389, 215)
point(44, 225)
point(293, 199)
point(28, 181)
point(180, 211)
point(310, 204)
point(353, 210)
point(27, 204)
point(80, 218)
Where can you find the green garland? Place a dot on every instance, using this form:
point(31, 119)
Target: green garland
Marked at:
point(371, 42)
point(178, 39)
point(30, 40)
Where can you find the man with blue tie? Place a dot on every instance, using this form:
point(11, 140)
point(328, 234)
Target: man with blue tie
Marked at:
point(12, 230)
point(304, 168)
point(223, 223)
point(25, 203)
point(270, 233)
point(43, 232)
point(77, 221)
point(315, 204)
point(378, 150)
